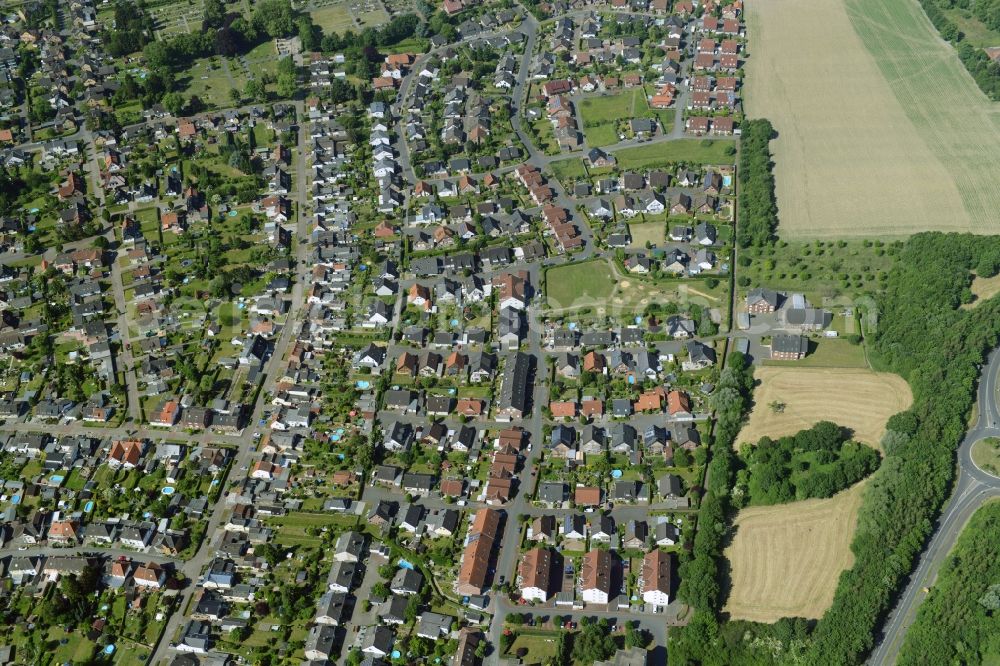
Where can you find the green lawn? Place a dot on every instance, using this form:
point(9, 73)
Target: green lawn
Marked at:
point(373, 18)
point(569, 169)
point(830, 353)
point(986, 455)
point(601, 135)
point(207, 78)
point(334, 17)
point(574, 285)
point(691, 151)
point(541, 647)
point(546, 141)
point(604, 116)
point(293, 528)
point(653, 233)
point(611, 108)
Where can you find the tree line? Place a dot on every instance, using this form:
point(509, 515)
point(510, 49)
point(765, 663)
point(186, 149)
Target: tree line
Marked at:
point(758, 216)
point(817, 462)
point(700, 569)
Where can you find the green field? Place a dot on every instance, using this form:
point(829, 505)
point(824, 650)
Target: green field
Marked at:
point(335, 17)
point(576, 285)
point(293, 529)
point(546, 138)
point(822, 269)
point(596, 284)
point(975, 31)
point(604, 116)
point(569, 169)
point(956, 120)
point(830, 353)
point(611, 108)
point(653, 233)
point(690, 151)
point(207, 79)
point(541, 647)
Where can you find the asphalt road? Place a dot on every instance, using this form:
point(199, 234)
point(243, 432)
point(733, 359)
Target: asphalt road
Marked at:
point(973, 487)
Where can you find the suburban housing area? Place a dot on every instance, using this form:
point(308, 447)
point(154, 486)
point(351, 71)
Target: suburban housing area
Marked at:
point(423, 332)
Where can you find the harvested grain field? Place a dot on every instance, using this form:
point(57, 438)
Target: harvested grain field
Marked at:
point(859, 399)
point(983, 289)
point(785, 559)
point(881, 131)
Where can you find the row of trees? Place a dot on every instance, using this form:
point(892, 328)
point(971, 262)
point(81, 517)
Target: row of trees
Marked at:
point(817, 462)
point(758, 210)
point(700, 569)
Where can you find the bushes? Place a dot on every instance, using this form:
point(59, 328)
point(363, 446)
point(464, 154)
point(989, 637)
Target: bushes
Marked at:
point(758, 217)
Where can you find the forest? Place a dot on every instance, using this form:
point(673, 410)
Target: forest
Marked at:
point(817, 462)
point(958, 623)
point(758, 210)
point(920, 333)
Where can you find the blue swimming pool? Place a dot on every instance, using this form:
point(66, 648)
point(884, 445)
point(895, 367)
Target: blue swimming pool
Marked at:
point(406, 565)
point(88, 507)
point(363, 384)
point(57, 478)
point(167, 490)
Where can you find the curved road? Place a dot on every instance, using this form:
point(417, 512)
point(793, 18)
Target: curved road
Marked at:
point(973, 487)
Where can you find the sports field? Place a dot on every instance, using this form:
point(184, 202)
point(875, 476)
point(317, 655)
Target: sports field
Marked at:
point(859, 399)
point(881, 131)
point(785, 559)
